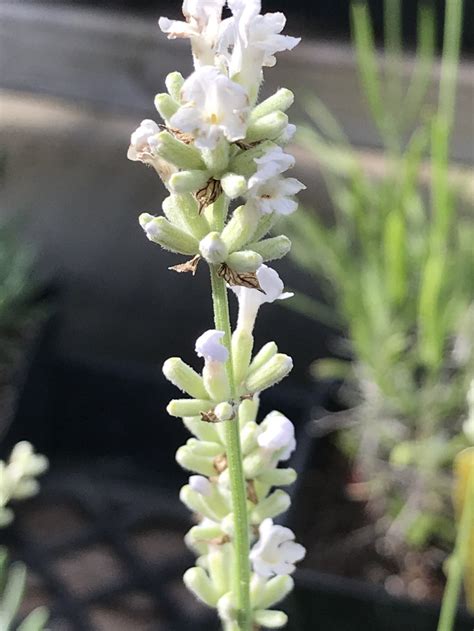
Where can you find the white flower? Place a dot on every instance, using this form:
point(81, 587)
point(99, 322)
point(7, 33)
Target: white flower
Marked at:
point(203, 19)
point(141, 141)
point(250, 300)
point(201, 485)
point(214, 106)
point(276, 552)
point(268, 191)
point(287, 135)
point(249, 41)
point(209, 346)
point(278, 435)
point(274, 162)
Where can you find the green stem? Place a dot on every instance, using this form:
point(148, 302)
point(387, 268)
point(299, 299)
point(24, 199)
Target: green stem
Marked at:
point(458, 561)
point(234, 462)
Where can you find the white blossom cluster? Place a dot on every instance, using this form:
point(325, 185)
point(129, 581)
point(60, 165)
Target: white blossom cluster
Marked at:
point(18, 478)
point(216, 145)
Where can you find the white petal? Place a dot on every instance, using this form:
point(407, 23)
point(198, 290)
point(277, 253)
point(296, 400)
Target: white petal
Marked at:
point(201, 485)
point(209, 346)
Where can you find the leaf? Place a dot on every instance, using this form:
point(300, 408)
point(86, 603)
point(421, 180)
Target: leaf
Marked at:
point(188, 266)
point(234, 279)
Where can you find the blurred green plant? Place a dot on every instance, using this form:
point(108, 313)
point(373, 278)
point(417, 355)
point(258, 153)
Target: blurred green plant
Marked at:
point(18, 482)
point(397, 264)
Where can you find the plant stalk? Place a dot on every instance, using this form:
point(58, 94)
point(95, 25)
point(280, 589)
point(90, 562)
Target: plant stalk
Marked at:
point(234, 462)
point(458, 561)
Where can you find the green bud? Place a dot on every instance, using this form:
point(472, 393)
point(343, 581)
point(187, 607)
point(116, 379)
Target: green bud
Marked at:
point(201, 429)
point(213, 248)
point(244, 162)
point(248, 438)
point(242, 345)
point(199, 583)
point(188, 181)
point(240, 228)
point(216, 381)
point(233, 185)
point(264, 226)
point(268, 127)
point(226, 608)
point(263, 356)
point(205, 448)
point(281, 100)
point(275, 590)
point(244, 261)
point(188, 407)
point(224, 411)
point(279, 477)
point(204, 533)
point(166, 106)
point(188, 209)
point(217, 159)
point(191, 461)
point(275, 504)
point(173, 213)
point(219, 565)
point(184, 377)
point(272, 249)
point(161, 231)
point(269, 374)
point(178, 153)
point(254, 464)
point(248, 411)
point(270, 619)
point(174, 82)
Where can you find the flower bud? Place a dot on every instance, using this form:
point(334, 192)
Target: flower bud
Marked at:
point(201, 485)
point(224, 411)
point(277, 435)
point(287, 135)
point(188, 407)
point(188, 181)
point(275, 504)
point(174, 82)
point(226, 608)
point(184, 377)
point(216, 381)
point(240, 228)
point(176, 152)
point(279, 477)
point(254, 464)
point(242, 345)
point(244, 261)
point(281, 100)
point(213, 249)
point(203, 431)
point(217, 159)
point(219, 568)
point(269, 350)
point(191, 461)
point(199, 583)
point(270, 619)
point(265, 224)
point(193, 222)
point(248, 438)
point(233, 185)
point(208, 449)
point(269, 374)
point(248, 410)
point(170, 237)
point(165, 105)
point(268, 127)
point(204, 532)
point(275, 590)
point(272, 249)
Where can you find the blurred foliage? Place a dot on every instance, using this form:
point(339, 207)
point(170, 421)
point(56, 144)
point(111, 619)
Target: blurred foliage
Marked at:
point(397, 263)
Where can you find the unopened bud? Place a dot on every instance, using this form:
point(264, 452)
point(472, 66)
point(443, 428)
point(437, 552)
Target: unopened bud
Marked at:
point(244, 261)
point(275, 504)
point(188, 407)
point(268, 127)
point(188, 181)
point(213, 249)
point(272, 249)
point(224, 411)
point(190, 461)
point(281, 100)
point(174, 82)
point(217, 159)
point(188, 209)
point(184, 377)
point(242, 345)
point(170, 237)
point(269, 374)
point(279, 477)
point(275, 590)
point(199, 583)
point(166, 106)
point(176, 152)
point(216, 380)
point(240, 228)
point(270, 619)
point(233, 185)
point(269, 350)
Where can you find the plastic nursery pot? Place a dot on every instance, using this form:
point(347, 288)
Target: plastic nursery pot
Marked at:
point(328, 601)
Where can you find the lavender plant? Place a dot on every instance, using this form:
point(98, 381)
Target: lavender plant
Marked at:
point(216, 145)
